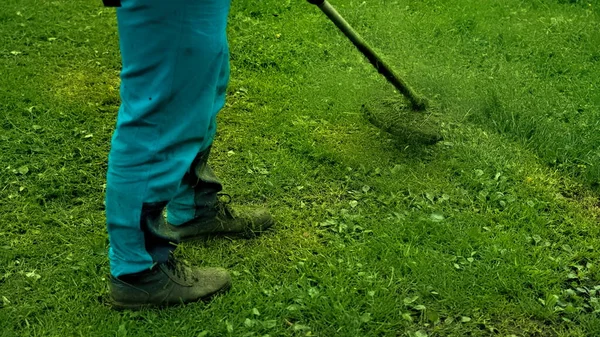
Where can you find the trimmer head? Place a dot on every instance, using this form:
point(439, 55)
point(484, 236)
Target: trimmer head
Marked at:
point(406, 125)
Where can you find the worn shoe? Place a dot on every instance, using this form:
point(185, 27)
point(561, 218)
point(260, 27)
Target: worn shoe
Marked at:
point(166, 284)
point(222, 219)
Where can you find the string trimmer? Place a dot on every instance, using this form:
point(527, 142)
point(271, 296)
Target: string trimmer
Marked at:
point(417, 102)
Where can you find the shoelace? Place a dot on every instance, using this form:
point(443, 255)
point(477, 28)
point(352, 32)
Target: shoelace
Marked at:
point(176, 267)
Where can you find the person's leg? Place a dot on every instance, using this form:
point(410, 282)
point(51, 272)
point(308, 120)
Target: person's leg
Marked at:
point(172, 52)
point(198, 190)
point(195, 210)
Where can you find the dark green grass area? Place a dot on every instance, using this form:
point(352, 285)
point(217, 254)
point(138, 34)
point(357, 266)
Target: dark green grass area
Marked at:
point(493, 231)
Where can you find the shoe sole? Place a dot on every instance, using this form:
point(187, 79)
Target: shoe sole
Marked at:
point(120, 306)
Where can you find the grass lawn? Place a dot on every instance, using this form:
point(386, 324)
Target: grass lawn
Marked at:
point(493, 231)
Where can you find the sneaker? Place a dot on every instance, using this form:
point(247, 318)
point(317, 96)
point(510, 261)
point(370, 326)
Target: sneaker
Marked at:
point(166, 284)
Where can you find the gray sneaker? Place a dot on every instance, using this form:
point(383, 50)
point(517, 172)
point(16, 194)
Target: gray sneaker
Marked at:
point(166, 284)
point(223, 219)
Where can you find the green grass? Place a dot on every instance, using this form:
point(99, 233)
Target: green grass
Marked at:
point(493, 231)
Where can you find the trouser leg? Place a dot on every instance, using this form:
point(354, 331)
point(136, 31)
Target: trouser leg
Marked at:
point(197, 193)
point(173, 54)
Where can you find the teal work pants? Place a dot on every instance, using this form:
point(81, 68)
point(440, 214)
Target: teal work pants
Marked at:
point(173, 82)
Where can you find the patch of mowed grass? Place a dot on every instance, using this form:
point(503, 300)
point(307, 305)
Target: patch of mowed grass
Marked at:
point(526, 69)
point(375, 237)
